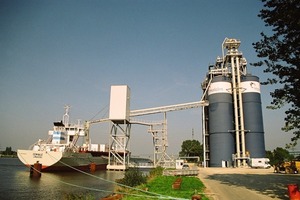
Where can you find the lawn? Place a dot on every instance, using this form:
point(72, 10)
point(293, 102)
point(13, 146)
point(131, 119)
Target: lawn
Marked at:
point(162, 185)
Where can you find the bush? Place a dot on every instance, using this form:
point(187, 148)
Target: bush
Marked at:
point(158, 171)
point(133, 177)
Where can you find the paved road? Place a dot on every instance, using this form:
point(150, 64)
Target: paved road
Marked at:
point(246, 183)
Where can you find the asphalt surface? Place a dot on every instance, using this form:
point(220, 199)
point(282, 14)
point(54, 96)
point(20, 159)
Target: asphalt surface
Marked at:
point(246, 183)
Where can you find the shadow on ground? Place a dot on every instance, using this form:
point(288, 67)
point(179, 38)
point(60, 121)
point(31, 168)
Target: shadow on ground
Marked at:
point(272, 185)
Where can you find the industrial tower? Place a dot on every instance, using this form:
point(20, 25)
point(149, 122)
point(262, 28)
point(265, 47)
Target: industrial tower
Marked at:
point(233, 120)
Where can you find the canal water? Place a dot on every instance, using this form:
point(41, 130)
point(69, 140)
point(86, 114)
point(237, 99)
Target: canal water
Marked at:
point(15, 183)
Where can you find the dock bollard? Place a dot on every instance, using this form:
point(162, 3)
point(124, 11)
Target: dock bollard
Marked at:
point(293, 192)
point(35, 170)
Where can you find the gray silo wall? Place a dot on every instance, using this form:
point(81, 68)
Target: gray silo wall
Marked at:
point(221, 138)
point(253, 118)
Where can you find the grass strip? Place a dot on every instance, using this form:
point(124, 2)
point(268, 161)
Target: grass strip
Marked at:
point(163, 185)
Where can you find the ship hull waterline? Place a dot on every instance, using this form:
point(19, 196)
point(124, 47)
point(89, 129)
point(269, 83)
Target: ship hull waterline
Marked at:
point(62, 161)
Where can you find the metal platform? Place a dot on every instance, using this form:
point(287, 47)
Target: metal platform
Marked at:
point(116, 167)
point(181, 172)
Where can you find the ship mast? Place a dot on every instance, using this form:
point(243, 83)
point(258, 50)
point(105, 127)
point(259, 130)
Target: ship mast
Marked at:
point(66, 116)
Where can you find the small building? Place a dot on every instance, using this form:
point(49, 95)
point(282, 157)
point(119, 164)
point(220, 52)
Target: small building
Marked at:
point(179, 163)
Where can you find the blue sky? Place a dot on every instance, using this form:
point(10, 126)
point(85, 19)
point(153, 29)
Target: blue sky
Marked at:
point(54, 53)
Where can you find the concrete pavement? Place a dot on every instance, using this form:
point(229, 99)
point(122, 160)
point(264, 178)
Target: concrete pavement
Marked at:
point(245, 183)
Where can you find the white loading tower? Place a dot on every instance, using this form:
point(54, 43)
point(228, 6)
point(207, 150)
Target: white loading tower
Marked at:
point(119, 113)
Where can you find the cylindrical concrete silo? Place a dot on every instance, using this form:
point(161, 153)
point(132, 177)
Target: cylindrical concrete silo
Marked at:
point(253, 119)
point(221, 138)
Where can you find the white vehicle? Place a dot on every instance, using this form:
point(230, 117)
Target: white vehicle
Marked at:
point(259, 163)
point(185, 166)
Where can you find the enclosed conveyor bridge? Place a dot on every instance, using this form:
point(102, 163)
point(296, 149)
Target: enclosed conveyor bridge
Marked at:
point(120, 131)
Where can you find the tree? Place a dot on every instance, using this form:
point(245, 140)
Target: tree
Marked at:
point(8, 151)
point(280, 54)
point(279, 155)
point(191, 148)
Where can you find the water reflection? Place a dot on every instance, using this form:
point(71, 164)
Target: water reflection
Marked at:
point(17, 184)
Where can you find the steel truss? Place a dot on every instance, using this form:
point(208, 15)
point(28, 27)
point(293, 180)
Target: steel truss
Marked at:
point(118, 149)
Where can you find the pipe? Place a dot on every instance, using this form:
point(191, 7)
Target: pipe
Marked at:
point(237, 137)
point(242, 126)
point(203, 134)
point(223, 52)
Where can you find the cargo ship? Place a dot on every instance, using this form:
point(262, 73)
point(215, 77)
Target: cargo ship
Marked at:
point(60, 151)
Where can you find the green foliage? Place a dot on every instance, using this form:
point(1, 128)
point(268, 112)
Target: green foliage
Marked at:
point(79, 196)
point(8, 153)
point(163, 185)
point(158, 171)
point(280, 54)
point(269, 154)
point(191, 148)
point(279, 155)
point(133, 177)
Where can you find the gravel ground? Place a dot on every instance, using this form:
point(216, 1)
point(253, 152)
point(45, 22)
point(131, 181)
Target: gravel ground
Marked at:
point(246, 183)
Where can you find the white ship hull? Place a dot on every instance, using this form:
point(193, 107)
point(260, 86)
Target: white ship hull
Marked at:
point(62, 161)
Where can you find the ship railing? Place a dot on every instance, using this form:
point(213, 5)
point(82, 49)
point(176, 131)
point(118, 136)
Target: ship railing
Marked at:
point(72, 149)
point(31, 146)
point(49, 140)
point(43, 146)
point(37, 143)
point(79, 126)
point(41, 142)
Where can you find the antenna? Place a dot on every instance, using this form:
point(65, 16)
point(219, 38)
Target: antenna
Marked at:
point(192, 134)
point(66, 116)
